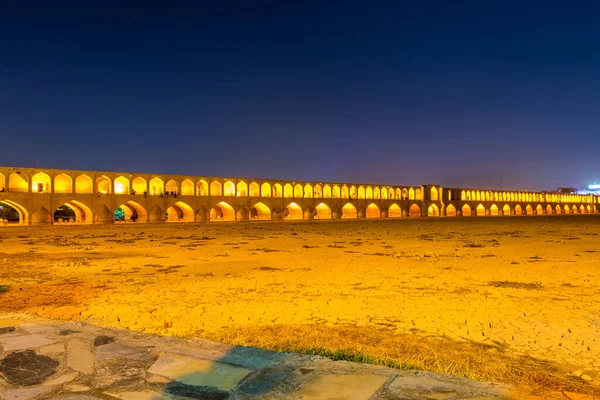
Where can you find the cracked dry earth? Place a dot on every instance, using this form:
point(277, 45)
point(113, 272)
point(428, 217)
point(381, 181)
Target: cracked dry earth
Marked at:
point(527, 284)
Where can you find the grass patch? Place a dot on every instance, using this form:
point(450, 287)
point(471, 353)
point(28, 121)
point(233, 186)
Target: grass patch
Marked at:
point(483, 362)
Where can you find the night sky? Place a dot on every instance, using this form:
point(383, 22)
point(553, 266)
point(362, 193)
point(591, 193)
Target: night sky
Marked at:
point(391, 92)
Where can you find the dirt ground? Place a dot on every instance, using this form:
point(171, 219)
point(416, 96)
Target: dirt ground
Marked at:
point(528, 285)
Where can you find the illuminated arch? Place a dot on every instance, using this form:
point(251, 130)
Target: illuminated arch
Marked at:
point(308, 191)
point(187, 187)
point(254, 190)
point(466, 210)
point(589, 209)
point(84, 185)
point(180, 212)
point(376, 193)
point(384, 193)
point(411, 194)
point(202, 188)
point(327, 192)
point(506, 210)
point(40, 183)
point(318, 192)
point(298, 191)
point(404, 194)
point(394, 211)
point(353, 192)
point(418, 194)
point(277, 190)
point(450, 211)
point(242, 189)
point(121, 185)
point(539, 210)
point(529, 209)
point(373, 211)
point(574, 209)
point(103, 185)
point(581, 209)
point(558, 209)
point(480, 210)
point(463, 195)
point(414, 211)
point(433, 211)
point(336, 192)
point(2, 181)
point(369, 193)
point(494, 210)
point(349, 211)
point(361, 192)
point(434, 194)
point(139, 185)
point(567, 209)
point(293, 211)
point(22, 213)
point(345, 193)
point(265, 190)
point(260, 212)
point(391, 194)
point(398, 194)
point(157, 186)
point(83, 214)
point(172, 186)
point(549, 209)
point(323, 211)
point(216, 189)
point(288, 191)
point(63, 184)
point(228, 188)
point(518, 210)
point(222, 212)
point(132, 212)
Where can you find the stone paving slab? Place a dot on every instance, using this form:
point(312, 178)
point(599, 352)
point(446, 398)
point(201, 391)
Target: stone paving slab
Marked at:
point(44, 360)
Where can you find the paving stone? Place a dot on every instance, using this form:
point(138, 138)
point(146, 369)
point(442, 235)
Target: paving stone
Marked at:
point(120, 350)
point(73, 397)
point(67, 332)
point(195, 392)
point(198, 372)
point(441, 396)
point(24, 394)
point(22, 342)
point(76, 387)
point(34, 328)
point(52, 349)
point(27, 368)
point(7, 329)
point(102, 339)
point(145, 395)
point(342, 387)
point(79, 357)
point(265, 382)
point(157, 379)
point(61, 379)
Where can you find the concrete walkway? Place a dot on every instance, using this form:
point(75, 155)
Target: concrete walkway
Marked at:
point(43, 359)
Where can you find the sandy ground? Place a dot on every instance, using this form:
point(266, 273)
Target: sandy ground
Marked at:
point(531, 284)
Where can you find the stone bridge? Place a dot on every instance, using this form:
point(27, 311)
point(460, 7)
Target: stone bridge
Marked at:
point(33, 196)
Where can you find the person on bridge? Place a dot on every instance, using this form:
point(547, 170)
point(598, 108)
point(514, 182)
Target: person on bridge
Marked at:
point(2, 190)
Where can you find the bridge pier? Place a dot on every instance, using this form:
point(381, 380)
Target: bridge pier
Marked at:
point(308, 213)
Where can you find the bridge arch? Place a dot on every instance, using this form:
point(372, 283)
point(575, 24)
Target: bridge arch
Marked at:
point(298, 191)
point(369, 193)
point(242, 189)
point(84, 185)
point(506, 210)
point(384, 194)
point(376, 193)
point(80, 213)
point(187, 187)
point(391, 194)
point(265, 190)
point(433, 211)
point(157, 186)
point(450, 211)
point(549, 209)
point(222, 212)
point(103, 185)
point(411, 194)
point(518, 210)
point(40, 183)
point(567, 209)
point(539, 210)
point(293, 211)
point(414, 211)
point(254, 190)
point(494, 210)
point(353, 192)
point(394, 211)
point(121, 185)
point(349, 211)
point(574, 209)
point(8, 209)
point(277, 190)
point(557, 209)
point(172, 186)
point(529, 209)
point(260, 212)
point(139, 186)
point(216, 188)
point(131, 212)
point(317, 192)
point(2, 181)
point(308, 191)
point(373, 211)
point(336, 192)
point(288, 191)
point(398, 194)
point(228, 188)
point(345, 192)
point(180, 212)
point(480, 210)
point(466, 210)
point(361, 192)
point(323, 211)
point(63, 184)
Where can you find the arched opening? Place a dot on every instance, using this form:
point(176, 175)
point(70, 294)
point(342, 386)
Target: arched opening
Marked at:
point(13, 213)
point(567, 209)
point(434, 194)
point(391, 194)
point(506, 210)
point(529, 209)
point(318, 192)
point(414, 211)
point(157, 186)
point(450, 211)
point(187, 187)
point(327, 192)
point(277, 190)
point(180, 212)
point(260, 212)
point(353, 192)
point(384, 193)
point(63, 184)
point(130, 212)
point(172, 186)
point(581, 209)
point(242, 189)
point(103, 185)
point(254, 190)
point(558, 209)
point(394, 211)
point(373, 211)
point(298, 191)
point(293, 211)
point(40, 183)
point(73, 212)
point(398, 194)
point(216, 188)
point(433, 211)
point(418, 194)
point(121, 185)
point(349, 211)
point(336, 192)
point(202, 188)
point(228, 188)
point(539, 210)
point(411, 194)
point(308, 192)
point(589, 209)
point(83, 185)
point(376, 193)
point(466, 210)
point(574, 209)
point(361, 192)
point(345, 193)
point(480, 210)
point(265, 190)
point(138, 186)
point(549, 209)
point(288, 191)
point(222, 212)
point(494, 210)
point(369, 193)
point(323, 211)
point(404, 194)
point(2, 182)
point(518, 210)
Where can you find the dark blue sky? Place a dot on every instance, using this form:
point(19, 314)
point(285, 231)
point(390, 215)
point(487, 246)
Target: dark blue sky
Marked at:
point(362, 91)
